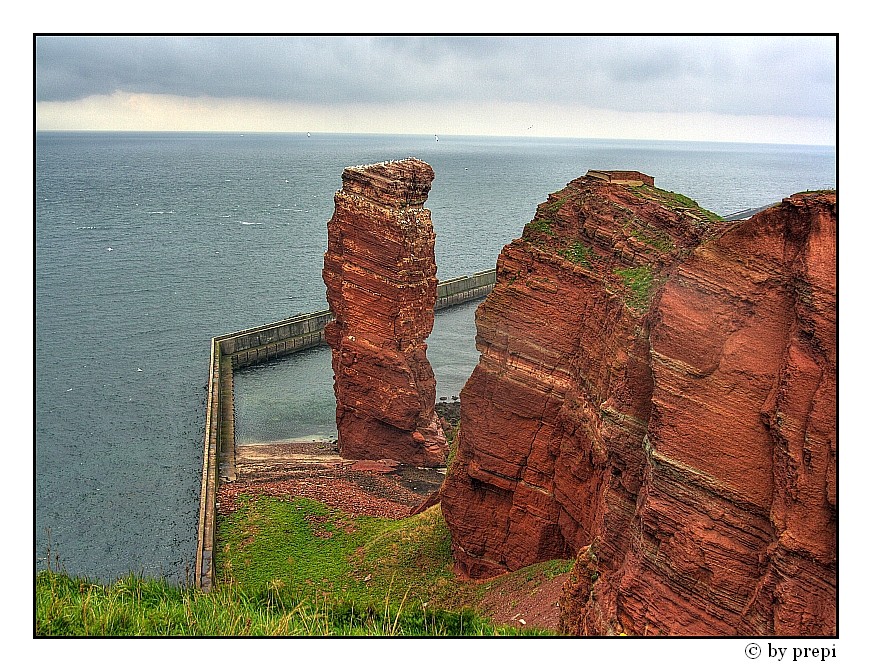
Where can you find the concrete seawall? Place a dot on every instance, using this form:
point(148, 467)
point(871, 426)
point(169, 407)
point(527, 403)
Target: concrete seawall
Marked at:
point(466, 288)
point(204, 570)
point(260, 344)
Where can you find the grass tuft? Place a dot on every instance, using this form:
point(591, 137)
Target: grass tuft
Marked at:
point(639, 281)
point(577, 253)
point(540, 225)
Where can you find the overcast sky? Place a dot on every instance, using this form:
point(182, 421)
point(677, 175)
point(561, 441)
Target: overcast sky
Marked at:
point(747, 89)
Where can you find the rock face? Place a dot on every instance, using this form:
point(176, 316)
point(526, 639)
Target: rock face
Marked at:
point(380, 273)
point(656, 396)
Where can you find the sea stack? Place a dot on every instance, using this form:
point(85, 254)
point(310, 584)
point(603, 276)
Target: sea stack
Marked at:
point(380, 272)
point(656, 398)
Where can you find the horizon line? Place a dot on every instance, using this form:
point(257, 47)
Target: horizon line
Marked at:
point(483, 135)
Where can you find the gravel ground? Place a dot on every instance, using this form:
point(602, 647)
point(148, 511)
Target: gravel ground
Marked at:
point(315, 470)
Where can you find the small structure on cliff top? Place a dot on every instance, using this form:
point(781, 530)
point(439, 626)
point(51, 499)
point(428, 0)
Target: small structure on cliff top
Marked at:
point(380, 272)
point(629, 178)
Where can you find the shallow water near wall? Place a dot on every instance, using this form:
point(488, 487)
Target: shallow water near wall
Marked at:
point(148, 245)
point(292, 398)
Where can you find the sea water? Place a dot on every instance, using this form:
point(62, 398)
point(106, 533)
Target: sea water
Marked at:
point(149, 244)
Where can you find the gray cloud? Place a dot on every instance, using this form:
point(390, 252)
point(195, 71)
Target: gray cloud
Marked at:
point(792, 76)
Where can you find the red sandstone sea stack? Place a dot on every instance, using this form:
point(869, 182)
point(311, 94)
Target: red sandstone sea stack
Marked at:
point(380, 273)
point(656, 397)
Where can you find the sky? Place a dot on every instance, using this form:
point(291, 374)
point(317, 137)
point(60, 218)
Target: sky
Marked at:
point(777, 88)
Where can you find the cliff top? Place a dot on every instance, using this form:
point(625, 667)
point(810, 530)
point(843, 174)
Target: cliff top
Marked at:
point(617, 226)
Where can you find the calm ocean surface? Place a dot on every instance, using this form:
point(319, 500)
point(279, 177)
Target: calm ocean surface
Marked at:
point(149, 244)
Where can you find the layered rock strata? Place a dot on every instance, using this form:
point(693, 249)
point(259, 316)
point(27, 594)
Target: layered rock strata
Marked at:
point(380, 273)
point(656, 396)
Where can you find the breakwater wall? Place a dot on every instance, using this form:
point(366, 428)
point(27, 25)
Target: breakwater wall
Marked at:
point(259, 344)
point(204, 566)
point(269, 341)
point(466, 288)
point(252, 346)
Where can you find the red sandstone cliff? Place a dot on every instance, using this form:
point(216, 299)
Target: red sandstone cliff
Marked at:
point(380, 273)
point(656, 395)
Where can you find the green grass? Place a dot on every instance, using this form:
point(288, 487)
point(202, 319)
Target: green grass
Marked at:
point(294, 568)
point(676, 200)
point(325, 552)
point(577, 253)
point(330, 556)
point(541, 225)
point(639, 281)
point(656, 239)
point(132, 606)
point(294, 542)
point(542, 222)
point(545, 571)
point(554, 206)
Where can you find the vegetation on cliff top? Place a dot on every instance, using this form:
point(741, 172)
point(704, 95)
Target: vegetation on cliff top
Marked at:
point(540, 230)
point(295, 568)
point(544, 217)
point(67, 606)
point(539, 225)
point(332, 556)
point(675, 201)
